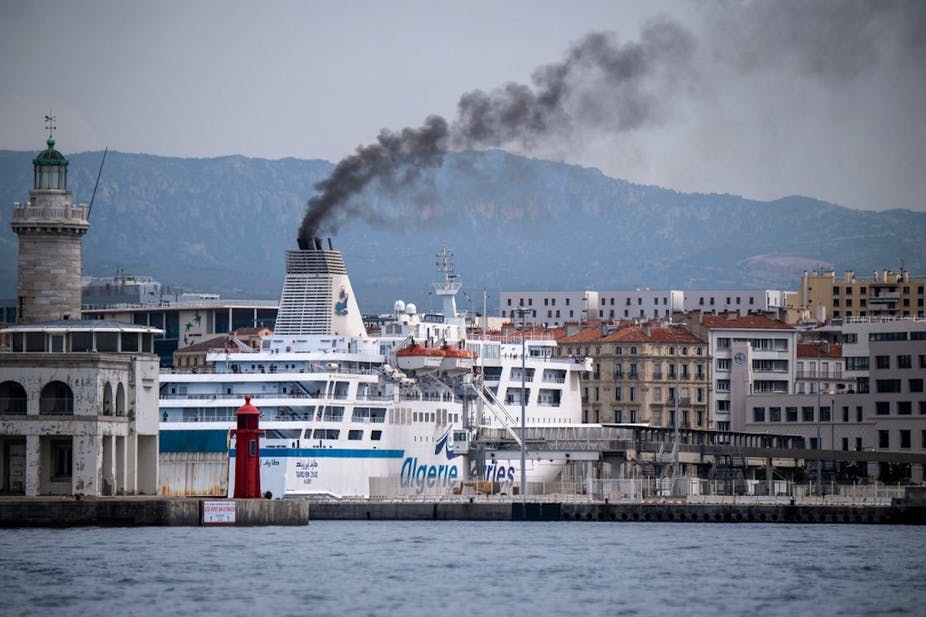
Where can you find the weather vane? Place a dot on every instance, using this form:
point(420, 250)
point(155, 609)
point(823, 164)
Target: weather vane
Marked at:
point(50, 123)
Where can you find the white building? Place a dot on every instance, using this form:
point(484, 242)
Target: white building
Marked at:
point(742, 301)
point(880, 406)
point(751, 355)
point(555, 308)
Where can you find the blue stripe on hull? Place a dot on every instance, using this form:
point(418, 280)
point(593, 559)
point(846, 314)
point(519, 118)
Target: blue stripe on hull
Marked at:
point(193, 441)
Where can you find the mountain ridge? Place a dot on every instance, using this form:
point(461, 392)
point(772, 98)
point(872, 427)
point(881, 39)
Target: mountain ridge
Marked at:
point(222, 224)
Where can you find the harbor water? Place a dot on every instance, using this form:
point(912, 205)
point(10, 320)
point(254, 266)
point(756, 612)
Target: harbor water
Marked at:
point(454, 568)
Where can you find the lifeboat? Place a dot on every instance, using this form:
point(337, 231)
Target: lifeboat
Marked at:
point(417, 358)
point(457, 360)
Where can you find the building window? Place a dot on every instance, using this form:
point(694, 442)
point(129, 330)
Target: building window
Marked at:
point(758, 414)
point(618, 416)
point(633, 416)
point(916, 385)
point(883, 408)
point(825, 414)
point(887, 385)
point(774, 414)
point(904, 408)
point(807, 414)
point(905, 439)
point(617, 393)
point(904, 361)
point(883, 362)
point(62, 464)
point(884, 439)
point(56, 399)
point(700, 417)
point(791, 414)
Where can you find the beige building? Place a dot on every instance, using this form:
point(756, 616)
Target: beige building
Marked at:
point(824, 297)
point(642, 374)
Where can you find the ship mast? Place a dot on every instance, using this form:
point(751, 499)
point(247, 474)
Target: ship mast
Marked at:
point(447, 288)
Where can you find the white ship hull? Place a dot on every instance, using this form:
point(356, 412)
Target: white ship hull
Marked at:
point(341, 420)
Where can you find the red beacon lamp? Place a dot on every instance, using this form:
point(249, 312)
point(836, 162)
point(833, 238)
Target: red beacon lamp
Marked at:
point(247, 451)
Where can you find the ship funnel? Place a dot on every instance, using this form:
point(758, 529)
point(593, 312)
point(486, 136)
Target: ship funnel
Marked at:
point(317, 295)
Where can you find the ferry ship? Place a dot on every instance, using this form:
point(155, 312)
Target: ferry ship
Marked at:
point(349, 414)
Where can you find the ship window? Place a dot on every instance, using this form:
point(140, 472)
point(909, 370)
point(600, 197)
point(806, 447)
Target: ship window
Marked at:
point(376, 435)
point(355, 435)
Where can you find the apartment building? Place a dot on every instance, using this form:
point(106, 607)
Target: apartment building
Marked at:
point(742, 301)
point(642, 374)
point(884, 294)
point(556, 308)
point(880, 406)
point(751, 354)
point(553, 308)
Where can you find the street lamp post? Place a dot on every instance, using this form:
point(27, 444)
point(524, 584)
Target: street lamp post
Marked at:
point(675, 426)
point(819, 443)
point(523, 313)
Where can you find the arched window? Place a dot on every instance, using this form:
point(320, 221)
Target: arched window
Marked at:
point(633, 351)
point(12, 398)
point(107, 399)
point(57, 399)
point(120, 400)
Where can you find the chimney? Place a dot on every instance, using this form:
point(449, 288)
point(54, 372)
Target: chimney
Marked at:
point(318, 243)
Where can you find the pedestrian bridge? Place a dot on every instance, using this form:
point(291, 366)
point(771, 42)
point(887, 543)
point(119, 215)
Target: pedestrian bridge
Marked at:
point(646, 444)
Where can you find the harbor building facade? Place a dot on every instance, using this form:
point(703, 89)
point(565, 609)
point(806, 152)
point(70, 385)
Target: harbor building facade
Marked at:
point(78, 399)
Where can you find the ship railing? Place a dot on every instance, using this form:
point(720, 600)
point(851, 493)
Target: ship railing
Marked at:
point(499, 411)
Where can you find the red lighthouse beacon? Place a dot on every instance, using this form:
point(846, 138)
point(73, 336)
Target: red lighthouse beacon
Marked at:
point(247, 451)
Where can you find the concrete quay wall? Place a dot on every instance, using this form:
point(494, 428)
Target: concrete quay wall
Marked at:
point(410, 511)
point(140, 512)
point(628, 513)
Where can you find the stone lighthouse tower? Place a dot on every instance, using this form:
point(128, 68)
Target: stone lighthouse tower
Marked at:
point(50, 230)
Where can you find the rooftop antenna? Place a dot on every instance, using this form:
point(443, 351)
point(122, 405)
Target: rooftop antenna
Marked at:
point(97, 183)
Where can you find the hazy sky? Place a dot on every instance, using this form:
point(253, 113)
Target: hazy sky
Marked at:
point(762, 99)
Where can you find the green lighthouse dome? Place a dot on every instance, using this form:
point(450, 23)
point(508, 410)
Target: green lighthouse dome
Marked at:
point(51, 169)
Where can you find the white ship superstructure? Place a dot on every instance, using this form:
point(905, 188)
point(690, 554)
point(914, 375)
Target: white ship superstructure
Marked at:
point(348, 414)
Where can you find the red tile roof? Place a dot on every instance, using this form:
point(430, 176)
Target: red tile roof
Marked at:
point(590, 334)
point(657, 334)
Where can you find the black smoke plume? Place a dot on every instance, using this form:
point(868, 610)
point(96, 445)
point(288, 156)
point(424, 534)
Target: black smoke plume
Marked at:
point(600, 83)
